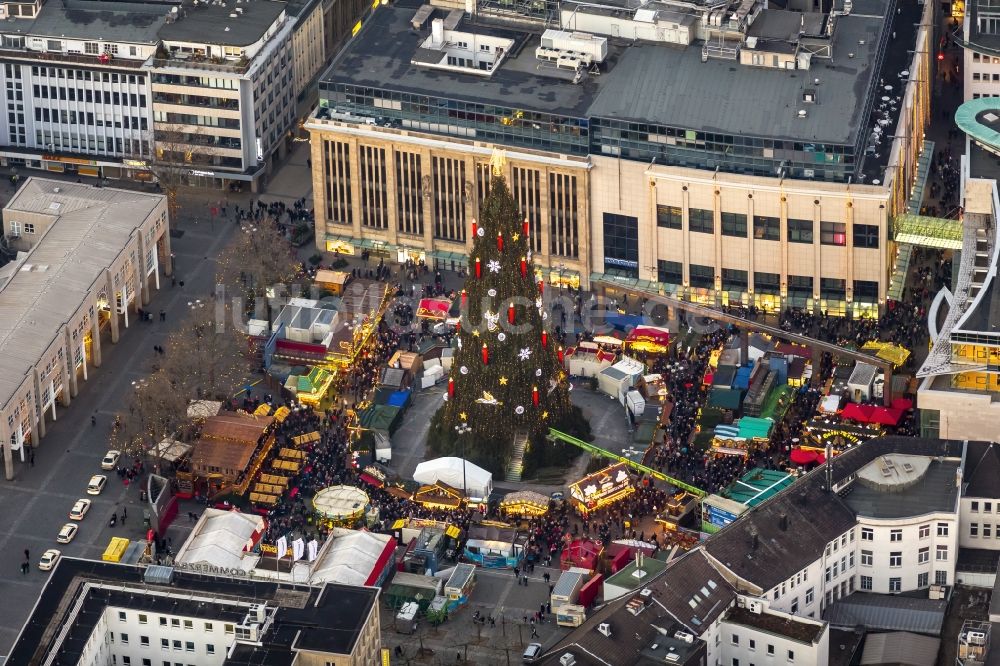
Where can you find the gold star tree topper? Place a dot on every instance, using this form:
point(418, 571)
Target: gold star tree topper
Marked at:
point(497, 161)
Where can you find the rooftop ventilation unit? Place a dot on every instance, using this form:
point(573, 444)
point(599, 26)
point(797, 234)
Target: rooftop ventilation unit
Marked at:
point(604, 629)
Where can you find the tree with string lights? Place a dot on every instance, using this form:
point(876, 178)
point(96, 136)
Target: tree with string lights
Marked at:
point(507, 378)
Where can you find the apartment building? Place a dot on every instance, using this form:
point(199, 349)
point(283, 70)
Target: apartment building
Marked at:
point(146, 616)
point(87, 256)
point(762, 162)
point(980, 42)
point(75, 89)
point(878, 528)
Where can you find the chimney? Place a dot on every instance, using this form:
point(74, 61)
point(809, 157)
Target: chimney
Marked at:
point(437, 32)
point(783, 522)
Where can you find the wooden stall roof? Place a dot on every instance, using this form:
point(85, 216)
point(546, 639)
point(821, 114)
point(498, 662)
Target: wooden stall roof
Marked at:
point(224, 455)
point(236, 427)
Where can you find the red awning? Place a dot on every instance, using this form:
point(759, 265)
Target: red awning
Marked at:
point(886, 416)
point(433, 308)
point(902, 404)
point(803, 456)
point(370, 480)
point(859, 413)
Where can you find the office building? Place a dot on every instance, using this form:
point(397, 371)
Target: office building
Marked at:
point(103, 613)
point(87, 256)
point(76, 92)
point(738, 153)
point(206, 88)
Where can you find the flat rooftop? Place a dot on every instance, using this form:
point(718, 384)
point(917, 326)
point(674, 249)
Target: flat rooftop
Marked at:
point(129, 22)
point(327, 619)
point(934, 491)
point(90, 227)
point(214, 24)
point(647, 82)
point(794, 629)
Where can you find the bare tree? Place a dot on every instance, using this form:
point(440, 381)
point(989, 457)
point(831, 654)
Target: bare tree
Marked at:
point(206, 358)
point(258, 259)
point(155, 411)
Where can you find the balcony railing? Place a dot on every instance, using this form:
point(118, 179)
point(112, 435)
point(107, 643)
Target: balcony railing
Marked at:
point(202, 63)
point(77, 58)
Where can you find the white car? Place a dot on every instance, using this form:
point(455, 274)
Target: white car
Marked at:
point(531, 653)
point(67, 532)
point(79, 509)
point(96, 484)
point(110, 459)
point(49, 559)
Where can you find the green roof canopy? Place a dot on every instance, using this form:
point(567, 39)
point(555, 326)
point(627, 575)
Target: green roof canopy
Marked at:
point(927, 231)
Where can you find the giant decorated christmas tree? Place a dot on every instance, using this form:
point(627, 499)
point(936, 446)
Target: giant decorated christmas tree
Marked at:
point(507, 379)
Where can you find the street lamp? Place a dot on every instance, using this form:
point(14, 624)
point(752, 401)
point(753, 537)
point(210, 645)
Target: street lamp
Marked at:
point(463, 429)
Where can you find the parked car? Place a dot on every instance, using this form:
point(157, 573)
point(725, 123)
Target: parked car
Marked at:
point(67, 532)
point(531, 653)
point(79, 509)
point(49, 559)
point(96, 485)
point(110, 459)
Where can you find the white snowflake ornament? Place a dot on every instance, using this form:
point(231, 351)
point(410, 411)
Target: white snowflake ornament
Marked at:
point(519, 410)
point(538, 372)
point(492, 293)
point(494, 266)
point(464, 370)
point(480, 232)
point(524, 354)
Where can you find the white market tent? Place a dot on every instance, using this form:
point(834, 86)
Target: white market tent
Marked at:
point(479, 482)
point(223, 539)
point(351, 559)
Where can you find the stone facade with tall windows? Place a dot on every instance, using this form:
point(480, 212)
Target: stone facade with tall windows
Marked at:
point(718, 201)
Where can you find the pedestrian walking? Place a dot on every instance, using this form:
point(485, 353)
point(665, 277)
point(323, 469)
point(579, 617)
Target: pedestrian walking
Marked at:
point(163, 315)
point(27, 555)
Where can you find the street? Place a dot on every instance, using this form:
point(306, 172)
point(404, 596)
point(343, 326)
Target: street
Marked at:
point(39, 498)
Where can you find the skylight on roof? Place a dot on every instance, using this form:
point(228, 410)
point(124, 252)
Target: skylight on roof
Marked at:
point(692, 604)
point(705, 592)
point(711, 584)
point(55, 205)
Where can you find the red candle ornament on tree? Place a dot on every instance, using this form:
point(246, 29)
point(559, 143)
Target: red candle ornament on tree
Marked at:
point(486, 354)
point(560, 354)
point(525, 227)
point(465, 296)
point(524, 267)
point(545, 338)
point(451, 387)
point(541, 287)
point(475, 228)
point(479, 269)
point(534, 396)
point(500, 241)
point(510, 313)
